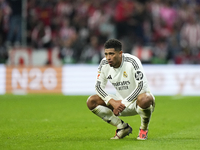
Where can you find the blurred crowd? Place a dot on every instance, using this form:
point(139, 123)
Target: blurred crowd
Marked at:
point(79, 28)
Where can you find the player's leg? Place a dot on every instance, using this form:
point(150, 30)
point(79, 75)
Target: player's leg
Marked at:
point(145, 106)
point(98, 107)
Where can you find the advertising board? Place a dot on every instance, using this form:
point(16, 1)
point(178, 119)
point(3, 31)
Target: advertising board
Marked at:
point(81, 79)
point(22, 80)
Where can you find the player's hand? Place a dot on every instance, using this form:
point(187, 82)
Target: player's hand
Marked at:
point(117, 105)
point(116, 112)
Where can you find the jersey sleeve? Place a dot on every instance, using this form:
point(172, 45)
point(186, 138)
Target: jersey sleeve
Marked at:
point(138, 76)
point(101, 83)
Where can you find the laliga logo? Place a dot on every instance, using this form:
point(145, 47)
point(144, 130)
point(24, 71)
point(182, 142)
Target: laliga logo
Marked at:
point(138, 75)
point(98, 76)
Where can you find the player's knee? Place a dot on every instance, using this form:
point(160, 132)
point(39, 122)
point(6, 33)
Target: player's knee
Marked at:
point(145, 100)
point(92, 102)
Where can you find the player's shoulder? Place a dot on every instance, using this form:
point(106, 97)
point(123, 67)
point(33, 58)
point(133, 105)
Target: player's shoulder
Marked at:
point(132, 60)
point(129, 57)
point(103, 63)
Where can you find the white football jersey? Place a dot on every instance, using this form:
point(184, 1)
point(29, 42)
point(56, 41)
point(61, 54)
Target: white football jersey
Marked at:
point(129, 79)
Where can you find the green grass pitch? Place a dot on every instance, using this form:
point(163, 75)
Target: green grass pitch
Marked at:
point(58, 122)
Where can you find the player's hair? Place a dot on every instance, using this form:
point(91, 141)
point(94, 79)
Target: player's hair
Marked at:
point(113, 43)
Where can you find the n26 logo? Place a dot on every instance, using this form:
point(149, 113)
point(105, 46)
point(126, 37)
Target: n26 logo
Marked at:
point(34, 79)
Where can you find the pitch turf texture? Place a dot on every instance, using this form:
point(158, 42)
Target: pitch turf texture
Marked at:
point(58, 122)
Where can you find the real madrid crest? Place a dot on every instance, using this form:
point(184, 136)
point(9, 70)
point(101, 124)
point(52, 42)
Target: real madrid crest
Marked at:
point(125, 74)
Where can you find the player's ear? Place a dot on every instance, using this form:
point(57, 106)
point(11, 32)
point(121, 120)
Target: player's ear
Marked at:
point(120, 52)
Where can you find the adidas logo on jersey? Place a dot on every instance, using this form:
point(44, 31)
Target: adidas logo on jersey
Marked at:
point(109, 77)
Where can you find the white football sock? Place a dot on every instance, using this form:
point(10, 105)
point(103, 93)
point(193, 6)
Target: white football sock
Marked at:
point(107, 115)
point(145, 115)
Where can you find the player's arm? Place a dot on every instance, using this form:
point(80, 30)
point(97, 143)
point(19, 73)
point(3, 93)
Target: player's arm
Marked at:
point(101, 84)
point(138, 76)
point(100, 90)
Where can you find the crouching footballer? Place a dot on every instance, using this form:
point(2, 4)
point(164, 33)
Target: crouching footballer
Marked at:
point(133, 96)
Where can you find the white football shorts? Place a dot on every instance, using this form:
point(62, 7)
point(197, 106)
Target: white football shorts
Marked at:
point(131, 109)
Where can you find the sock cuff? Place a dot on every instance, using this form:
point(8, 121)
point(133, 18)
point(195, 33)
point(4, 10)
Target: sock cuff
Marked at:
point(149, 108)
point(95, 110)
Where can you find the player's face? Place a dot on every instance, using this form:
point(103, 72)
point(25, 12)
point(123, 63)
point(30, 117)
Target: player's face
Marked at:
point(113, 57)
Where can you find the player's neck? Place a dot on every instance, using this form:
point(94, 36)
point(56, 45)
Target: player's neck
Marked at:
point(119, 64)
